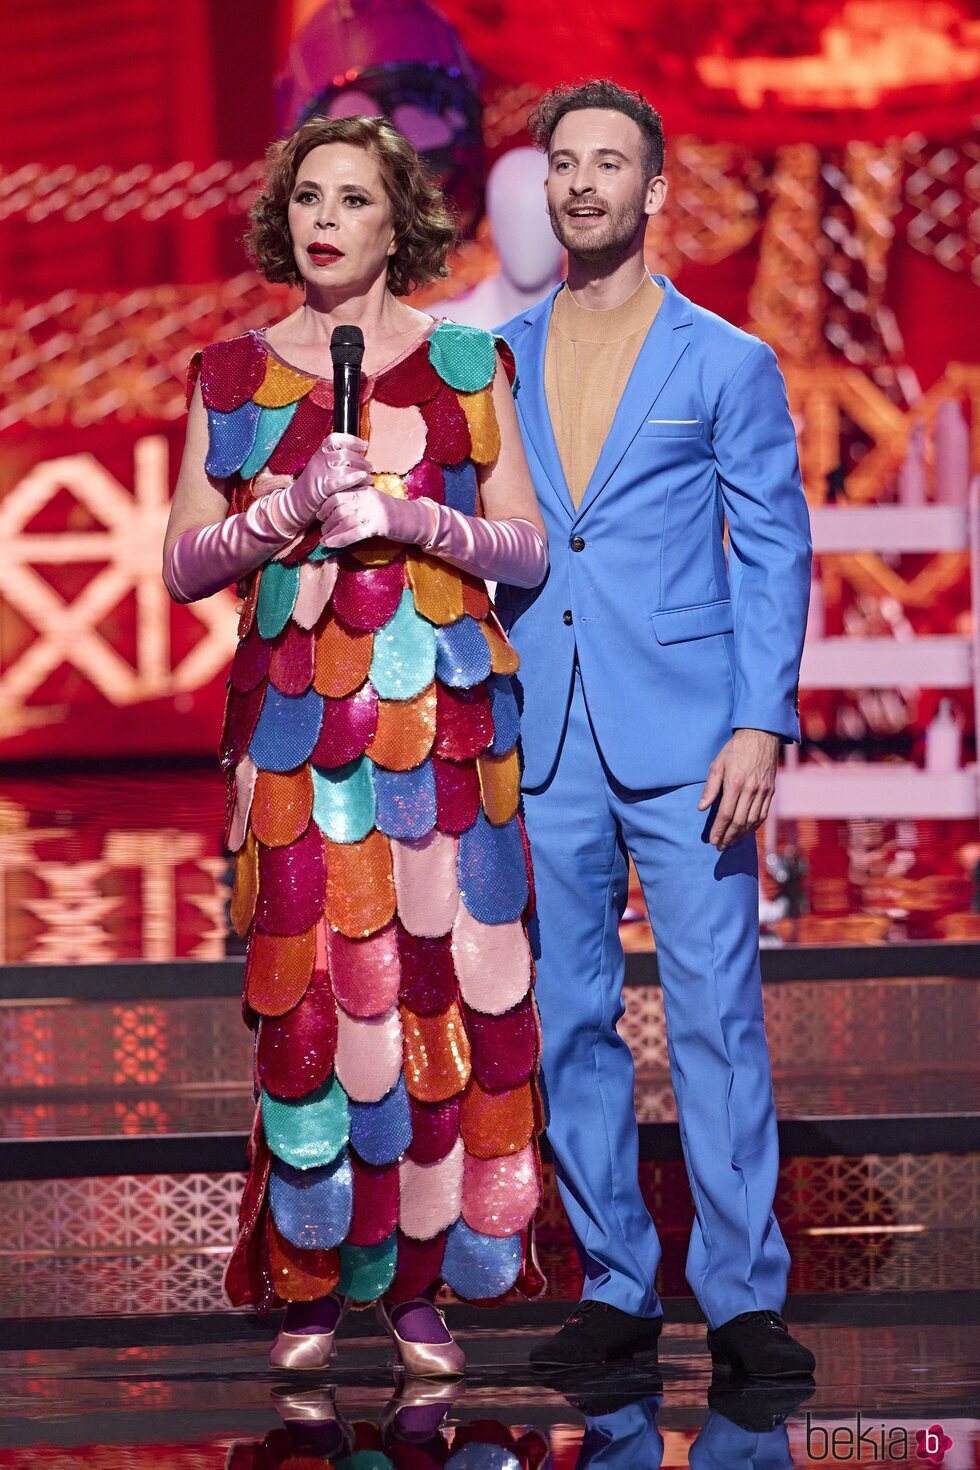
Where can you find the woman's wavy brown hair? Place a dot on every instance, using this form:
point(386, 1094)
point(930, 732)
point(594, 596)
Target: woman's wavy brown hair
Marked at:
point(424, 229)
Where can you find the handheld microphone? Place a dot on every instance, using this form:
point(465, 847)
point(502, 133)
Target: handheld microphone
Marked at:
point(347, 352)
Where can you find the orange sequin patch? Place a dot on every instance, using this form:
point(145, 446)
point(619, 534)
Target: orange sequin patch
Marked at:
point(282, 806)
point(493, 1124)
point(500, 785)
point(246, 887)
point(406, 730)
point(281, 385)
point(484, 430)
point(503, 658)
point(360, 885)
point(476, 598)
point(300, 1275)
point(278, 970)
point(437, 1054)
point(437, 590)
point(342, 658)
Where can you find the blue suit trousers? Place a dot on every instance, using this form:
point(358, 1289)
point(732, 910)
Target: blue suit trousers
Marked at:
point(704, 910)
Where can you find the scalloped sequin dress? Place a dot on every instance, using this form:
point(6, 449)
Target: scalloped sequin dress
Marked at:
point(382, 872)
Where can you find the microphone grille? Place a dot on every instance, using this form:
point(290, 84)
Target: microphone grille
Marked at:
point(347, 346)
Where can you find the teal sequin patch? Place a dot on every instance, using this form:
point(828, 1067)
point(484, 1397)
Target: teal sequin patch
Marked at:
point(404, 658)
point(273, 423)
point(278, 587)
point(464, 357)
point(308, 1131)
point(366, 1271)
point(343, 800)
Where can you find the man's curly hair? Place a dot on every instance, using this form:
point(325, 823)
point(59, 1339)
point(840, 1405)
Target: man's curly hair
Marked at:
point(424, 229)
point(598, 92)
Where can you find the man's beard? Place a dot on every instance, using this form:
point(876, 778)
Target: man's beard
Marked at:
point(607, 239)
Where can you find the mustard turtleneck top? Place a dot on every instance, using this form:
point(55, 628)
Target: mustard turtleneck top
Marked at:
point(588, 360)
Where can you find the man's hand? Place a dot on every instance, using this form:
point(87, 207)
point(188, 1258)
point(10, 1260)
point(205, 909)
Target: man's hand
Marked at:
point(744, 771)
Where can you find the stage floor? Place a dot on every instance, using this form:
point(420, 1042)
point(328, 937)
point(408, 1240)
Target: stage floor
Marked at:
point(219, 1405)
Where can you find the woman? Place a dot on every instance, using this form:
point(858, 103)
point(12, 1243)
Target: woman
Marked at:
point(370, 741)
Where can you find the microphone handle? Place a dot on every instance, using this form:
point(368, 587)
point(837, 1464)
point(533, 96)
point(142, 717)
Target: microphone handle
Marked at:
point(347, 399)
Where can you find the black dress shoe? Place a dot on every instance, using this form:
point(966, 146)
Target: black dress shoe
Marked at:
point(758, 1345)
point(759, 1408)
point(597, 1333)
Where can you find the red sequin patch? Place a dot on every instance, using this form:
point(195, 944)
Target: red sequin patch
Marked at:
point(307, 430)
point(250, 663)
point(428, 976)
point(296, 1051)
point(365, 598)
point(425, 480)
point(376, 1198)
point(241, 717)
point(448, 436)
point(291, 661)
point(503, 1049)
point(412, 381)
point(464, 722)
point(292, 882)
point(457, 795)
point(435, 1128)
point(348, 728)
point(231, 372)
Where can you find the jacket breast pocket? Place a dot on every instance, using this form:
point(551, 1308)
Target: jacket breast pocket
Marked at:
point(675, 624)
point(673, 428)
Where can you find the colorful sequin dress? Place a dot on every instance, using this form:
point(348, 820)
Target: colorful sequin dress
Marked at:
point(382, 872)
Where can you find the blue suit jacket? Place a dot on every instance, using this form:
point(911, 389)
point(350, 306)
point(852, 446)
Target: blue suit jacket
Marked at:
point(677, 647)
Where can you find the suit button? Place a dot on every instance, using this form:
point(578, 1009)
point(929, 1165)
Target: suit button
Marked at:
point(566, 617)
point(577, 544)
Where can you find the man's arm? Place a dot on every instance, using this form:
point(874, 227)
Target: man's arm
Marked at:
point(769, 571)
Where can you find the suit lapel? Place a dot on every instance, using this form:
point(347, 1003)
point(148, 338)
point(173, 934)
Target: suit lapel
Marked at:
point(663, 347)
point(532, 402)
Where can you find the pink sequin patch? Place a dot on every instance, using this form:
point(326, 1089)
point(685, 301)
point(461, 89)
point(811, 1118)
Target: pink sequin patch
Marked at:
point(414, 380)
point(493, 962)
point(503, 1049)
point(464, 722)
point(292, 883)
point(365, 598)
point(231, 372)
point(431, 1194)
point(375, 1213)
point(251, 662)
point(369, 1055)
point(244, 786)
point(435, 1129)
point(426, 480)
point(291, 663)
point(316, 583)
point(296, 1051)
point(365, 972)
point(426, 883)
point(448, 438)
point(457, 795)
point(428, 979)
point(348, 728)
point(398, 437)
point(500, 1195)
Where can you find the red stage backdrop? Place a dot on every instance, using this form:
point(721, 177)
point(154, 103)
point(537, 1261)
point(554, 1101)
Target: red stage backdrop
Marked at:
point(825, 194)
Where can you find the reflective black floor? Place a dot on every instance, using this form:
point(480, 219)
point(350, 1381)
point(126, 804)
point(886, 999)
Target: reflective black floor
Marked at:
point(221, 1406)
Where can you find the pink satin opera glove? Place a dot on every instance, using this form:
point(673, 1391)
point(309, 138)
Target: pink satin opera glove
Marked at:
point(511, 551)
point(203, 561)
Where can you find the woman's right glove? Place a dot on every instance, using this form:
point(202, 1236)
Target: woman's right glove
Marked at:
point(203, 561)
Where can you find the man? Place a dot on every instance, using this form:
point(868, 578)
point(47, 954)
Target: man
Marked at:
point(659, 679)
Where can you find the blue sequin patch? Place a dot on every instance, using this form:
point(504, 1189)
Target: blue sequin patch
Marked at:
point(492, 871)
point(310, 1131)
point(460, 486)
point(406, 801)
point(278, 586)
point(287, 731)
point(480, 1266)
point(312, 1207)
point(462, 654)
point(381, 1131)
point(366, 1271)
point(343, 800)
point(230, 438)
point(506, 716)
point(404, 658)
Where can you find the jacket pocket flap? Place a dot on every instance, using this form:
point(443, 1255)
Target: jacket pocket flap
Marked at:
point(673, 625)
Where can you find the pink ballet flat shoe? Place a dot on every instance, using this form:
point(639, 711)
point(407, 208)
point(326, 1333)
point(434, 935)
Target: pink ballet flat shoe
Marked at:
point(440, 1359)
point(306, 1351)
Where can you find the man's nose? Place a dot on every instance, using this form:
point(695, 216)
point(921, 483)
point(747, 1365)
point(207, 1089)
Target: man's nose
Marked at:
point(580, 186)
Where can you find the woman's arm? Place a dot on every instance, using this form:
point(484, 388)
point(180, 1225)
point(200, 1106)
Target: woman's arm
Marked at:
point(205, 549)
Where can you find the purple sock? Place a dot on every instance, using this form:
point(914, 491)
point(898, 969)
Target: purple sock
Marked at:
point(321, 1315)
point(418, 1321)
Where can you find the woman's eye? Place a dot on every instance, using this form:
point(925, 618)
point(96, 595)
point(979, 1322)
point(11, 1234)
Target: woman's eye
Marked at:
point(354, 199)
point(304, 196)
